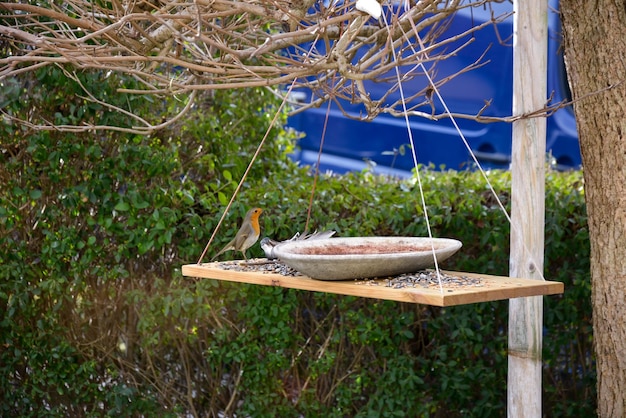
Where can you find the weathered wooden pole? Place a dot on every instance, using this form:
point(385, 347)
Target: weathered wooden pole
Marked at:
point(530, 38)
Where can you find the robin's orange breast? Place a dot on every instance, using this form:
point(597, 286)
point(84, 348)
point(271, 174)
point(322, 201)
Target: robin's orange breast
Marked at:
point(254, 221)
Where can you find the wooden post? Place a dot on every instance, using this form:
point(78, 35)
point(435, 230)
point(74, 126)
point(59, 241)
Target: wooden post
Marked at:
point(527, 205)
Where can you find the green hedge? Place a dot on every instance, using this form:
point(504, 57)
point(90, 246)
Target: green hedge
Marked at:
point(97, 320)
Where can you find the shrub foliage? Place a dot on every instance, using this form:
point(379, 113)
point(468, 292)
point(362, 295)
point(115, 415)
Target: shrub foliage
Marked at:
point(97, 320)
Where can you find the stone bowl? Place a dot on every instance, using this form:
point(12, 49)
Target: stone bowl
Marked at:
point(364, 257)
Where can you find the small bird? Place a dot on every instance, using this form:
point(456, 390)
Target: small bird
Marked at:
point(247, 235)
point(268, 244)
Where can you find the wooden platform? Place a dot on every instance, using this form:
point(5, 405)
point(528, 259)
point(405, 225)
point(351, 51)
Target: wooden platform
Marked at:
point(486, 288)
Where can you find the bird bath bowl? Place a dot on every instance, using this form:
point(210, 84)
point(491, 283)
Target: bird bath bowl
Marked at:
point(364, 257)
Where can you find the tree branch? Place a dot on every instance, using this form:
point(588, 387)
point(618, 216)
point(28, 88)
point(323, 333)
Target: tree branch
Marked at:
point(182, 47)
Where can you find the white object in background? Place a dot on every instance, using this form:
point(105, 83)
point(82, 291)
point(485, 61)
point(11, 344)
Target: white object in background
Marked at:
point(371, 7)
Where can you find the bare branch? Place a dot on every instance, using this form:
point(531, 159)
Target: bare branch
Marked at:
point(178, 47)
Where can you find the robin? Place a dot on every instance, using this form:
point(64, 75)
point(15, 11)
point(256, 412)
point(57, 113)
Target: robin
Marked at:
point(247, 235)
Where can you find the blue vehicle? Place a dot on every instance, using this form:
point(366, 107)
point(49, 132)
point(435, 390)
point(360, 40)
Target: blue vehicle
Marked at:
point(352, 145)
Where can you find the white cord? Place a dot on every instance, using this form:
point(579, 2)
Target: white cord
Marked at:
point(456, 126)
point(414, 155)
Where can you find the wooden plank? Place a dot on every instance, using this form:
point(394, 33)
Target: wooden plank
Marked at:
point(490, 288)
point(528, 160)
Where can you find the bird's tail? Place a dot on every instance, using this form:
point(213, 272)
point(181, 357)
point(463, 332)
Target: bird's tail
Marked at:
point(222, 251)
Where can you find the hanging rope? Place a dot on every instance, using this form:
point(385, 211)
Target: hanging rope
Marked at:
point(414, 155)
point(317, 171)
point(245, 174)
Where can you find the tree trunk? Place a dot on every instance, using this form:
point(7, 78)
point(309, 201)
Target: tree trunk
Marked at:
point(595, 53)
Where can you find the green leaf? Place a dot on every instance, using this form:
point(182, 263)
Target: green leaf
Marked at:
point(140, 204)
point(144, 247)
point(222, 198)
point(122, 207)
point(35, 194)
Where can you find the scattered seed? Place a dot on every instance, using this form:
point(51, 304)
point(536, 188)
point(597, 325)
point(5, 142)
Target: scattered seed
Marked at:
point(425, 279)
point(421, 279)
point(259, 266)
